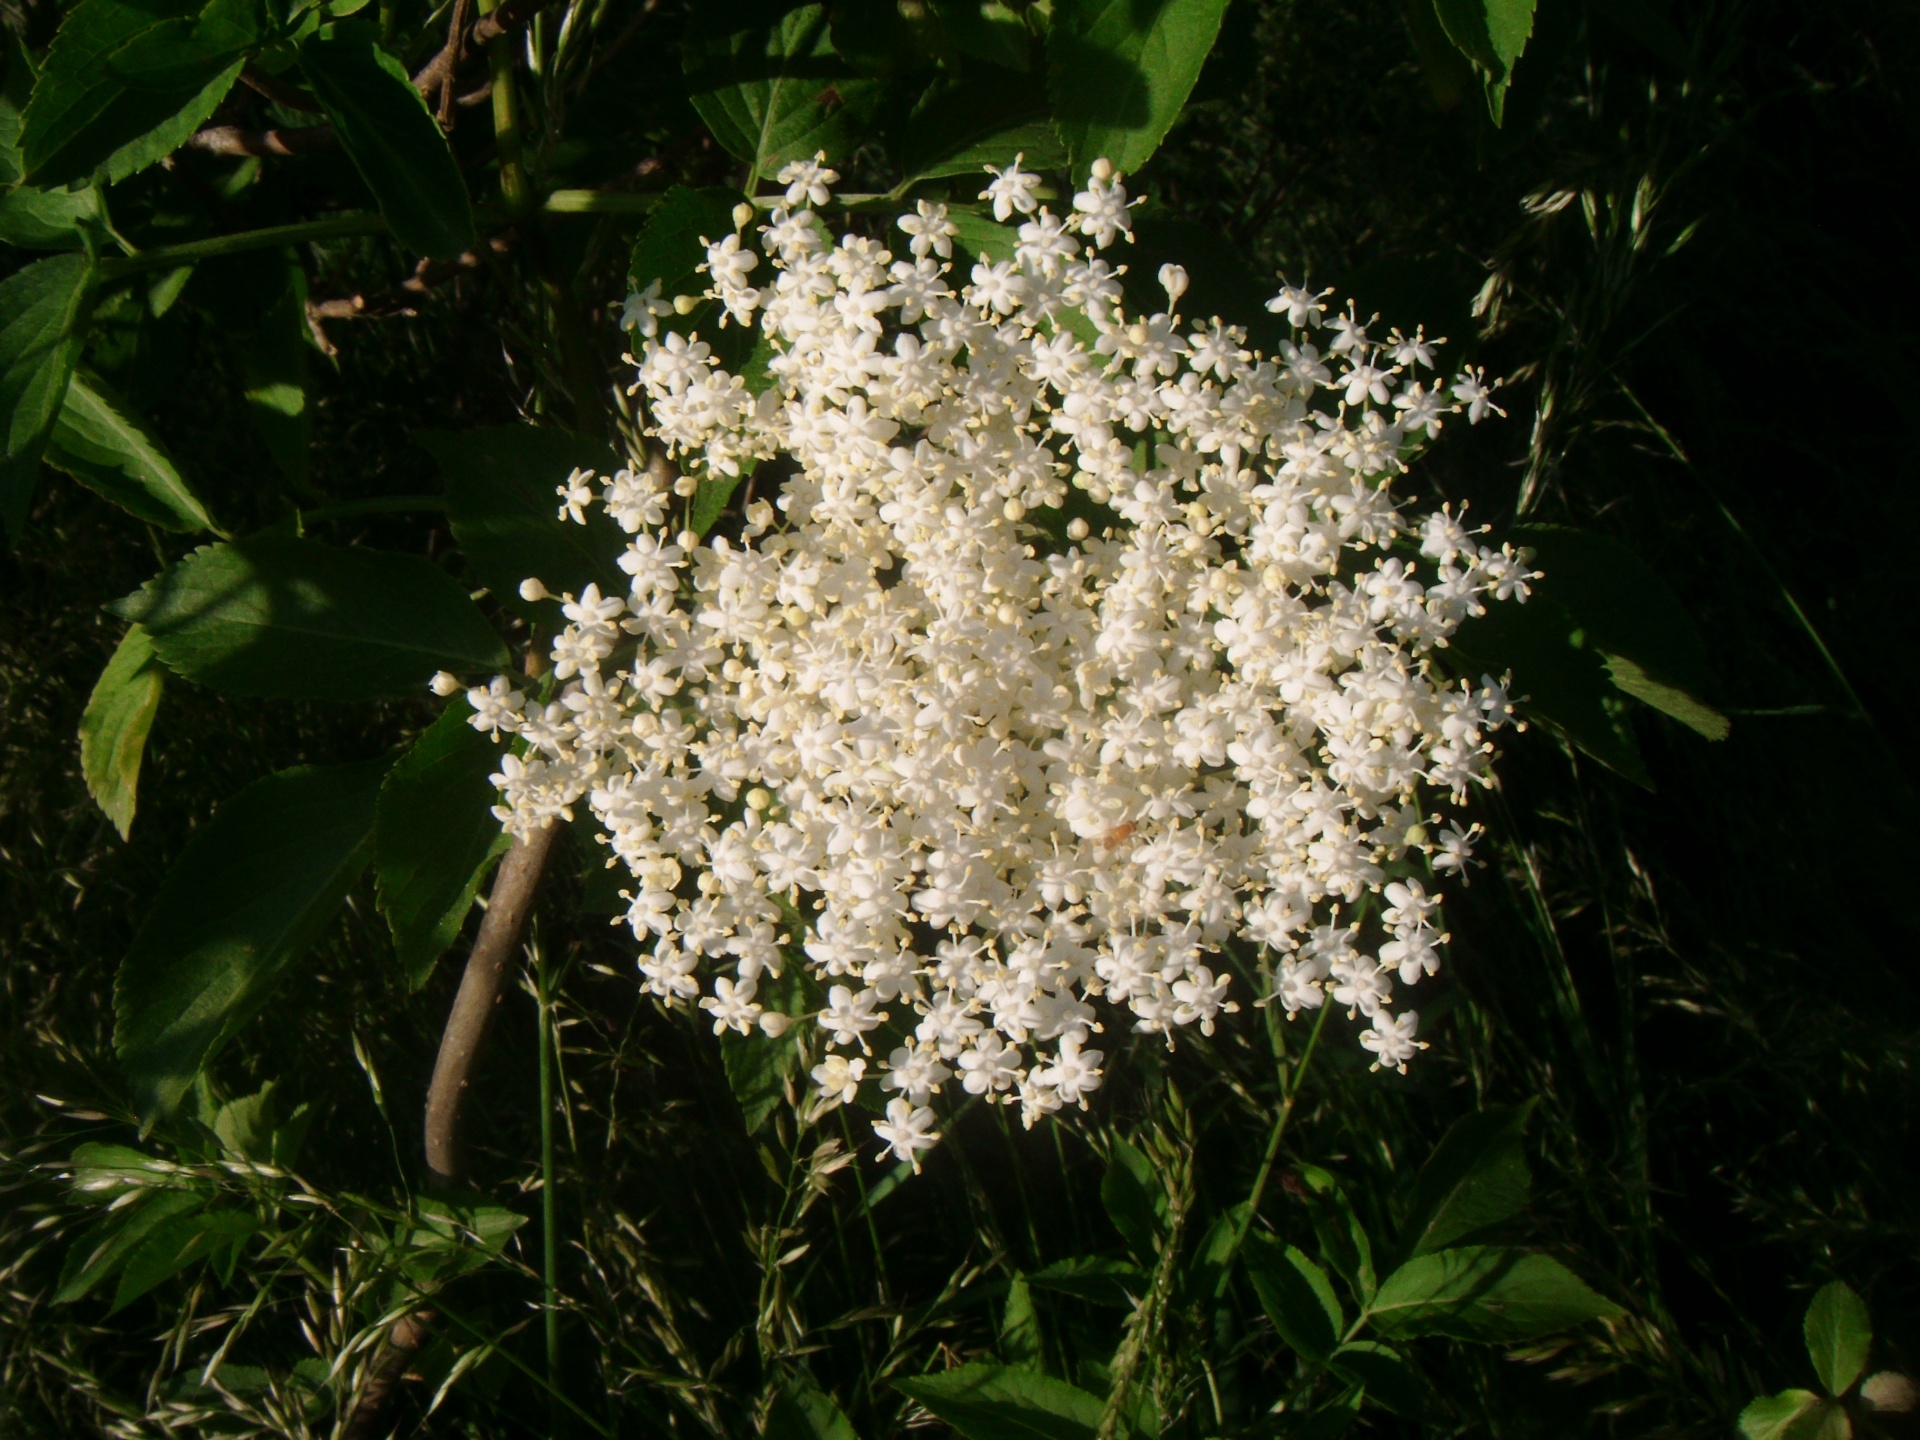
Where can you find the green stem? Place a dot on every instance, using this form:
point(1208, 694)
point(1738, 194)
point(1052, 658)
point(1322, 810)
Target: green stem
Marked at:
point(166, 257)
point(549, 1203)
point(1290, 1094)
point(506, 121)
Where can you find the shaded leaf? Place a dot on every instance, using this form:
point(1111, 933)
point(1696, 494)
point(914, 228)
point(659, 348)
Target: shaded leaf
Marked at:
point(114, 726)
point(770, 86)
point(106, 1245)
point(1121, 71)
point(99, 444)
point(984, 117)
point(1386, 1376)
point(670, 246)
point(1493, 34)
point(759, 1066)
point(392, 139)
point(981, 237)
point(1020, 1341)
point(1097, 1279)
point(500, 500)
point(42, 319)
point(252, 1127)
point(435, 838)
point(1134, 1198)
point(1482, 1292)
point(802, 1411)
point(1001, 1402)
point(1626, 612)
point(282, 616)
point(176, 1243)
point(1789, 1415)
point(1296, 1295)
point(253, 889)
point(1839, 1333)
point(126, 81)
point(1475, 1179)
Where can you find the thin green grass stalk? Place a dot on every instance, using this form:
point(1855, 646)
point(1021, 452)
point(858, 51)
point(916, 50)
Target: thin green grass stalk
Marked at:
point(549, 1201)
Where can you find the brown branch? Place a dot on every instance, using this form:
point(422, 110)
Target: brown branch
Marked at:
point(232, 140)
point(503, 21)
point(456, 38)
point(403, 299)
point(387, 1369)
point(281, 92)
point(473, 1006)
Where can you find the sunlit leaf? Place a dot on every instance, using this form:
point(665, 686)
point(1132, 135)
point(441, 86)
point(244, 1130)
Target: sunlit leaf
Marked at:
point(114, 726)
point(1121, 71)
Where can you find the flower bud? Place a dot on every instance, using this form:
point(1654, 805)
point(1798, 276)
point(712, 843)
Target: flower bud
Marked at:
point(773, 1024)
point(742, 213)
point(532, 591)
point(1173, 280)
point(1078, 529)
point(1103, 169)
point(685, 304)
point(444, 684)
point(1015, 509)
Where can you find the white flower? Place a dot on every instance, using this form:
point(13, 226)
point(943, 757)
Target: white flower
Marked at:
point(1024, 776)
point(1011, 190)
point(808, 181)
point(907, 1130)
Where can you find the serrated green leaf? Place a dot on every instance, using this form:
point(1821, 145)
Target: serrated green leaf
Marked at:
point(253, 889)
point(1120, 72)
point(1556, 678)
point(1493, 34)
point(33, 219)
point(43, 309)
point(802, 1411)
point(435, 838)
point(1385, 1374)
point(176, 1243)
point(985, 117)
point(1001, 1402)
point(1096, 1279)
point(501, 503)
point(126, 81)
point(1484, 1292)
point(1475, 1179)
point(114, 726)
point(1839, 1333)
point(106, 1245)
point(253, 1127)
point(1295, 1293)
point(1345, 1245)
point(759, 1066)
point(981, 237)
point(98, 443)
point(771, 87)
point(391, 137)
point(1020, 1341)
point(1134, 1198)
point(1630, 617)
point(282, 616)
point(1789, 1415)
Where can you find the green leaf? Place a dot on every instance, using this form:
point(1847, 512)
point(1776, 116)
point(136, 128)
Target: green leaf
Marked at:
point(985, 117)
point(1384, 1374)
point(1096, 1279)
point(981, 237)
point(103, 447)
point(771, 87)
point(1557, 679)
point(450, 1240)
point(1000, 1402)
point(1838, 1332)
point(126, 81)
point(1493, 34)
point(1296, 1295)
point(759, 1066)
point(174, 1244)
point(253, 889)
point(103, 1174)
point(1344, 1243)
point(33, 219)
point(281, 616)
point(501, 503)
point(710, 501)
point(1628, 614)
point(252, 1127)
point(988, 30)
point(270, 341)
point(1121, 71)
point(1794, 1415)
point(1484, 1292)
point(1134, 1198)
point(114, 726)
point(43, 310)
point(1475, 1179)
point(392, 139)
point(107, 1244)
point(673, 242)
point(435, 838)
point(802, 1411)
point(1020, 1341)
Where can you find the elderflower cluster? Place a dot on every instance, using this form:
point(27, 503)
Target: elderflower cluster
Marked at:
point(1060, 647)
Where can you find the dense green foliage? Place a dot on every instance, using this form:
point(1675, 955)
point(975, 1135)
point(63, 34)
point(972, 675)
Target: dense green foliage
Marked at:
point(1673, 1054)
